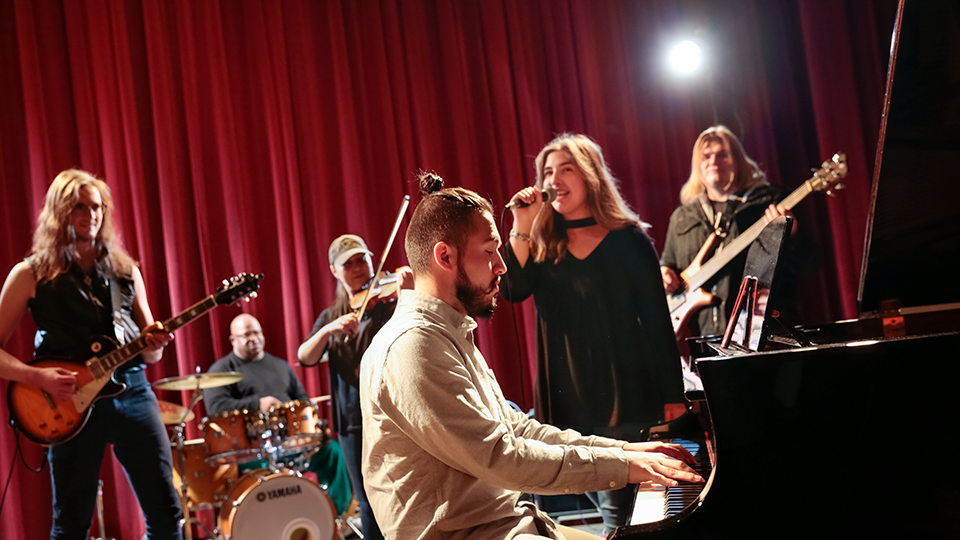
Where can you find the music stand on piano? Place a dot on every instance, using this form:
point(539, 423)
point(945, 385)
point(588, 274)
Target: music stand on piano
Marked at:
point(750, 322)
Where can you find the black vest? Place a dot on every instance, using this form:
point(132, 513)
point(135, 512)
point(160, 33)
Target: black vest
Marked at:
point(68, 311)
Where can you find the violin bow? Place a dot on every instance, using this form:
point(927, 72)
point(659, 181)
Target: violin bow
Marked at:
point(383, 256)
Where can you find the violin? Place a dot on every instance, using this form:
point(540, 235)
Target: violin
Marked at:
point(386, 289)
point(365, 298)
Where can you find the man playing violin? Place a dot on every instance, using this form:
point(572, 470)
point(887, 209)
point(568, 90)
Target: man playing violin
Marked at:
point(269, 382)
point(342, 338)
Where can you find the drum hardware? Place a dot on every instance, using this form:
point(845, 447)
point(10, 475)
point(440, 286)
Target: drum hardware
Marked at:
point(195, 382)
point(103, 529)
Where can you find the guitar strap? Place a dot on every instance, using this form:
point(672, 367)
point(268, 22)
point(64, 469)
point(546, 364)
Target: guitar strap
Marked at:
point(118, 328)
point(724, 219)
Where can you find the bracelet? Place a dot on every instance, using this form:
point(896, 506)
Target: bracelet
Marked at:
point(519, 236)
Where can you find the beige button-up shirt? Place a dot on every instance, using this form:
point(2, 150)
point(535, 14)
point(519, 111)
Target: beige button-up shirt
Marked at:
point(444, 455)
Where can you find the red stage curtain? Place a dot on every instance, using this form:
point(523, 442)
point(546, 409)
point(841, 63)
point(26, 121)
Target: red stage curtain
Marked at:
point(245, 135)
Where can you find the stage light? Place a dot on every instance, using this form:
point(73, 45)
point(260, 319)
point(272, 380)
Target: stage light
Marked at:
point(685, 57)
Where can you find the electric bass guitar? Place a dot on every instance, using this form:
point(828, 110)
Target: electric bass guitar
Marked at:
point(691, 297)
point(49, 421)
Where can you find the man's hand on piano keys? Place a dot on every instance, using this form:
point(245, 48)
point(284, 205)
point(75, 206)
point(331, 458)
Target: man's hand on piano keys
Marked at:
point(660, 463)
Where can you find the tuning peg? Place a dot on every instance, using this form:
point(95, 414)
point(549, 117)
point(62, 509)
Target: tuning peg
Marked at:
point(246, 299)
point(226, 282)
point(254, 294)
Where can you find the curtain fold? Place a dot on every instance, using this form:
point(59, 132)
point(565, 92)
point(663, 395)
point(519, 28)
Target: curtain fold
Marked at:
point(246, 135)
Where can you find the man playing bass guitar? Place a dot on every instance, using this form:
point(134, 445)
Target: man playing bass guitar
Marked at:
point(726, 192)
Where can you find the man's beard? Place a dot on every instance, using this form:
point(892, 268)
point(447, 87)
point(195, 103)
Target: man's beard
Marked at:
point(473, 298)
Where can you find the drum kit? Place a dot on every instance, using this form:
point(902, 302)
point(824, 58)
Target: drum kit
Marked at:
point(272, 500)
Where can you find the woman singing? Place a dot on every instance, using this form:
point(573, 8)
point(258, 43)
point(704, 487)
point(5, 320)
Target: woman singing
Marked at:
point(607, 360)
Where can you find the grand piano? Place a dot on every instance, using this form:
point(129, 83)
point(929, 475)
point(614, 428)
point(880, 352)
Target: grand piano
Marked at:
point(852, 432)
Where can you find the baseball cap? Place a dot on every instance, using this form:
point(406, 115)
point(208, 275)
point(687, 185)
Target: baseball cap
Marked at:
point(346, 246)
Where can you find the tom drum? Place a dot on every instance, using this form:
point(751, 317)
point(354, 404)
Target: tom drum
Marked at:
point(296, 425)
point(206, 484)
point(233, 436)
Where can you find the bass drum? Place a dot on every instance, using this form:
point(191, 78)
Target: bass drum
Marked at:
point(281, 505)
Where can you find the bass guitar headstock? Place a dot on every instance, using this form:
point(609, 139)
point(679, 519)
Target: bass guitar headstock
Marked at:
point(240, 286)
point(827, 177)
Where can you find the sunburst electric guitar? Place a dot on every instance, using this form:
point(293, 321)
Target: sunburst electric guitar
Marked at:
point(691, 297)
point(49, 421)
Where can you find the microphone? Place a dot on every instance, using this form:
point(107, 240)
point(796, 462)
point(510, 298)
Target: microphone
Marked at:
point(548, 194)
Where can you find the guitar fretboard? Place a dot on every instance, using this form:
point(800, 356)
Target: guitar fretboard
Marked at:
point(741, 242)
point(106, 364)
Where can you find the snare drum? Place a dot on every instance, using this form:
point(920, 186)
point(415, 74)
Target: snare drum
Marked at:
point(206, 485)
point(280, 505)
point(296, 425)
point(233, 436)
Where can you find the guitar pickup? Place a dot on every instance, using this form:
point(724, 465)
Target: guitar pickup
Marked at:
point(95, 368)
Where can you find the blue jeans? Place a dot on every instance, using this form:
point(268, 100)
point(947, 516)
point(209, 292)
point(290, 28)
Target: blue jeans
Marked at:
point(352, 445)
point(131, 422)
point(615, 506)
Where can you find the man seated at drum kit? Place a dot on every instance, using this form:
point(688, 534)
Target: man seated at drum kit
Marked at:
point(267, 418)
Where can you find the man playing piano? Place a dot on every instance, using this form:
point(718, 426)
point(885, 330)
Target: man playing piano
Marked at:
point(444, 455)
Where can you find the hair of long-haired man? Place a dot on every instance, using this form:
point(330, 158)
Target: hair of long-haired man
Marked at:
point(443, 215)
point(53, 241)
point(748, 173)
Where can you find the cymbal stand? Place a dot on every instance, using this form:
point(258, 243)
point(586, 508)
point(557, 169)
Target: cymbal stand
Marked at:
point(178, 439)
point(103, 529)
point(270, 450)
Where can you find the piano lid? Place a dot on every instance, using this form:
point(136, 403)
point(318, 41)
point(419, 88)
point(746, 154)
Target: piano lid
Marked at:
point(913, 230)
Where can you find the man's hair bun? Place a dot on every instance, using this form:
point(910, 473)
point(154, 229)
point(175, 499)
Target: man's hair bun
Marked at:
point(430, 183)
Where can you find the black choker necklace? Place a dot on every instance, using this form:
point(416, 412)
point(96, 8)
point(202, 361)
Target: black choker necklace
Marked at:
point(581, 223)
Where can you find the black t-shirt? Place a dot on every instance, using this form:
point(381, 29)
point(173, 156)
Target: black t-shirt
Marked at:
point(344, 363)
point(269, 376)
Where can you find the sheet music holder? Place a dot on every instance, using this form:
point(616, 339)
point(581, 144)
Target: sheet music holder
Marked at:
point(752, 318)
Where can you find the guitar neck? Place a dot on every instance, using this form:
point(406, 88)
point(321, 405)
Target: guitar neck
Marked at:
point(741, 242)
point(109, 362)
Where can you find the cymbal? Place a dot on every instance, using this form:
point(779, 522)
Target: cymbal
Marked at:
point(172, 413)
point(199, 380)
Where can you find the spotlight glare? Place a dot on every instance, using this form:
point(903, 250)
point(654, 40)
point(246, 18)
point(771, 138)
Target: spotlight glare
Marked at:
point(685, 57)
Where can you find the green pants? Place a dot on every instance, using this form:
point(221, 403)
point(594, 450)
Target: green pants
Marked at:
point(327, 463)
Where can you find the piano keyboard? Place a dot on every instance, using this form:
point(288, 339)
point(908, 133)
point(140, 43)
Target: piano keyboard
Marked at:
point(655, 502)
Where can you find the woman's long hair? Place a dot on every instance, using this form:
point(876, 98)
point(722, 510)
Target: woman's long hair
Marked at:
point(54, 241)
point(548, 237)
point(748, 174)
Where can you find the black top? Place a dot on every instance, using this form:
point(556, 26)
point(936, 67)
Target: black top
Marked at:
point(606, 352)
point(344, 361)
point(269, 376)
point(74, 307)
